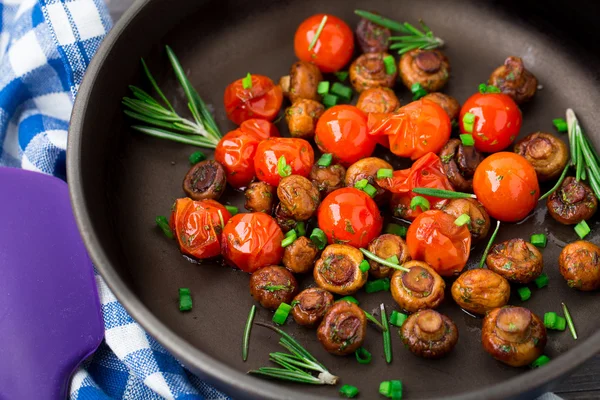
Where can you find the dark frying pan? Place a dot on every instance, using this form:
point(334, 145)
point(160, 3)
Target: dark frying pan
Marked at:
point(121, 180)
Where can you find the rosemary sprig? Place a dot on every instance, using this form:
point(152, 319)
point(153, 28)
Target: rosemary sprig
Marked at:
point(558, 183)
point(247, 330)
point(583, 155)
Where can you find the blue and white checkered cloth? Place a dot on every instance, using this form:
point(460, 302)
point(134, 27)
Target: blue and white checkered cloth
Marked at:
point(45, 47)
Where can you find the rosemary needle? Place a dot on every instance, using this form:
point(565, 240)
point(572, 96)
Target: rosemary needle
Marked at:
point(443, 194)
point(558, 183)
point(489, 245)
point(569, 321)
point(247, 330)
point(387, 338)
point(381, 261)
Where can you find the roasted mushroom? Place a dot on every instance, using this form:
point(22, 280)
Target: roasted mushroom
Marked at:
point(298, 197)
point(368, 71)
point(513, 335)
point(572, 203)
point(343, 328)
point(327, 179)
point(480, 290)
point(259, 197)
point(430, 68)
point(367, 169)
point(480, 220)
point(372, 38)
point(386, 246)
point(273, 285)
point(205, 180)
point(516, 260)
point(514, 80)
point(378, 100)
point(285, 221)
point(338, 269)
point(302, 118)
point(579, 264)
point(418, 289)
point(310, 305)
point(460, 162)
point(448, 103)
point(546, 153)
point(299, 257)
point(302, 82)
point(429, 334)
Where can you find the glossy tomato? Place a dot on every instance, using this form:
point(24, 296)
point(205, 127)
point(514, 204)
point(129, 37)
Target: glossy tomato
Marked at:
point(260, 128)
point(497, 121)
point(413, 130)
point(333, 48)
point(433, 237)
point(261, 100)
point(252, 241)
point(507, 186)
point(342, 131)
point(197, 226)
point(426, 172)
point(349, 216)
point(298, 154)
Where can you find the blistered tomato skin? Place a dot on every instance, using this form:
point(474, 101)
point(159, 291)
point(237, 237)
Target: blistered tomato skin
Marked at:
point(349, 216)
point(262, 100)
point(298, 154)
point(507, 186)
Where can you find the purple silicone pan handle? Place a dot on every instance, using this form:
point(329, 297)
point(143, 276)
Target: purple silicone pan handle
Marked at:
point(50, 318)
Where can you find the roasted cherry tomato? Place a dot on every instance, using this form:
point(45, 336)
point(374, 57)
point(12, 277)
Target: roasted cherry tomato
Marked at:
point(298, 154)
point(342, 131)
point(333, 48)
point(426, 172)
point(251, 241)
point(197, 226)
point(261, 100)
point(413, 130)
point(433, 237)
point(260, 128)
point(349, 216)
point(497, 121)
point(507, 186)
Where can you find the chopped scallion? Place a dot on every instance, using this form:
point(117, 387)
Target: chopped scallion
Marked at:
point(363, 356)
point(232, 209)
point(348, 391)
point(341, 75)
point(341, 91)
point(541, 281)
point(385, 173)
point(351, 299)
point(300, 228)
point(185, 299)
point(524, 293)
point(462, 220)
point(323, 88)
point(582, 229)
point(468, 122)
point(163, 224)
point(390, 64)
point(560, 124)
point(378, 285)
point(539, 240)
point(418, 91)
point(393, 259)
point(361, 184)
point(247, 81)
point(281, 313)
point(467, 139)
point(196, 157)
point(329, 100)
point(540, 361)
point(370, 190)
point(283, 169)
point(396, 229)
point(290, 237)
point(398, 318)
point(325, 160)
point(318, 237)
point(421, 202)
point(550, 320)
point(364, 266)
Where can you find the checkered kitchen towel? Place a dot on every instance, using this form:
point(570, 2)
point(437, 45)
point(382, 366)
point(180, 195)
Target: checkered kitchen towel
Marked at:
point(45, 47)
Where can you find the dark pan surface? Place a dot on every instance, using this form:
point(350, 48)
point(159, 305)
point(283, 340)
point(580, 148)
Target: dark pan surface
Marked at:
point(121, 180)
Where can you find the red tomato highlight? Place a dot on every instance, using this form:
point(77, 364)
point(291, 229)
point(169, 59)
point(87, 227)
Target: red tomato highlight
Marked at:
point(262, 100)
point(298, 154)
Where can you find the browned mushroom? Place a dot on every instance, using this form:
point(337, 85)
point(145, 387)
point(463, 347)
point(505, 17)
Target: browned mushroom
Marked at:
point(480, 220)
point(378, 100)
point(273, 285)
point(418, 289)
point(460, 162)
point(285, 222)
point(546, 153)
point(367, 169)
point(299, 257)
point(327, 179)
point(579, 264)
point(368, 71)
point(480, 290)
point(338, 269)
point(205, 180)
point(429, 334)
point(298, 197)
point(430, 68)
point(259, 197)
point(516, 260)
point(386, 246)
point(514, 80)
point(343, 328)
point(448, 103)
point(302, 118)
point(513, 335)
point(310, 305)
point(572, 202)
point(302, 82)
point(372, 38)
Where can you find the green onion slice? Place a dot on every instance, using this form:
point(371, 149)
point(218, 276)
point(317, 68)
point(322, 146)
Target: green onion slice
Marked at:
point(539, 240)
point(390, 64)
point(325, 160)
point(467, 139)
point(283, 169)
point(196, 157)
point(385, 173)
point(419, 201)
point(349, 391)
point(582, 229)
point(524, 293)
point(185, 299)
point(163, 224)
point(232, 209)
point(363, 356)
point(462, 220)
point(247, 81)
point(318, 237)
point(282, 313)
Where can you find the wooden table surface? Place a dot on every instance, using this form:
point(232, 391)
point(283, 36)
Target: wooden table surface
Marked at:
point(583, 384)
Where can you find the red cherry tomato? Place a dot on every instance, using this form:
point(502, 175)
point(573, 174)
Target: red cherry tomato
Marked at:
point(333, 48)
point(262, 100)
point(433, 237)
point(497, 121)
point(197, 226)
point(426, 172)
point(413, 130)
point(298, 155)
point(260, 128)
point(342, 131)
point(507, 186)
point(349, 216)
point(252, 241)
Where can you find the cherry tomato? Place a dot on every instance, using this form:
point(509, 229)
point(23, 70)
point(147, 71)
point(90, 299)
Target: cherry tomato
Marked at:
point(342, 131)
point(252, 241)
point(197, 226)
point(413, 130)
point(260, 128)
point(507, 186)
point(497, 121)
point(262, 100)
point(426, 172)
point(349, 216)
point(333, 48)
point(433, 237)
point(298, 155)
